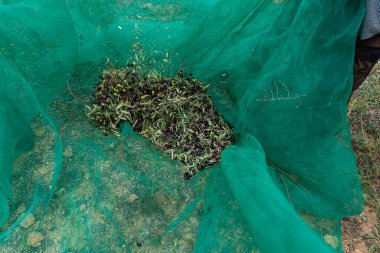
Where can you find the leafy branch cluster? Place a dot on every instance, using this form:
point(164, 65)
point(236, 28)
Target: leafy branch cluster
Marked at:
point(175, 114)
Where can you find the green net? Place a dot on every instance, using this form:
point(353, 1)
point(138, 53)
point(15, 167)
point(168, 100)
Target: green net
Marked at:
point(280, 73)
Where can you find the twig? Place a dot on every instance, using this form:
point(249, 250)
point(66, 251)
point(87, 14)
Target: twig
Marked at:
point(72, 94)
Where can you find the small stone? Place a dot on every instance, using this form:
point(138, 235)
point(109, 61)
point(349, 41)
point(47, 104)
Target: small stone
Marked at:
point(68, 152)
point(43, 170)
point(51, 250)
point(39, 131)
point(183, 244)
point(189, 236)
point(148, 6)
point(28, 221)
point(99, 218)
point(132, 198)
point(331, 240)
point(21, 209)
point(35, 239)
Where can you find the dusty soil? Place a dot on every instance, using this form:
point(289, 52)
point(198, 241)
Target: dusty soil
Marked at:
point(355, 229)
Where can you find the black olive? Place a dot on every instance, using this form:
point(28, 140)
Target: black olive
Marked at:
point(187, 175)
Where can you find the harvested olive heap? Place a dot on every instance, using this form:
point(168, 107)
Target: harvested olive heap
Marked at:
point(175, 114)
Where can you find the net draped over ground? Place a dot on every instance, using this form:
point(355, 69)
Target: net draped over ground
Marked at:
point(280, 73)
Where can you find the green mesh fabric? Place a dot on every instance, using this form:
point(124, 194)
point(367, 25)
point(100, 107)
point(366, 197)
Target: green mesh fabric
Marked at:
point(280, 73)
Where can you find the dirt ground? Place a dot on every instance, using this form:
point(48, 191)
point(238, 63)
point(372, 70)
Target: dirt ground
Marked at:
point(361, 234)
point(357, 232)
